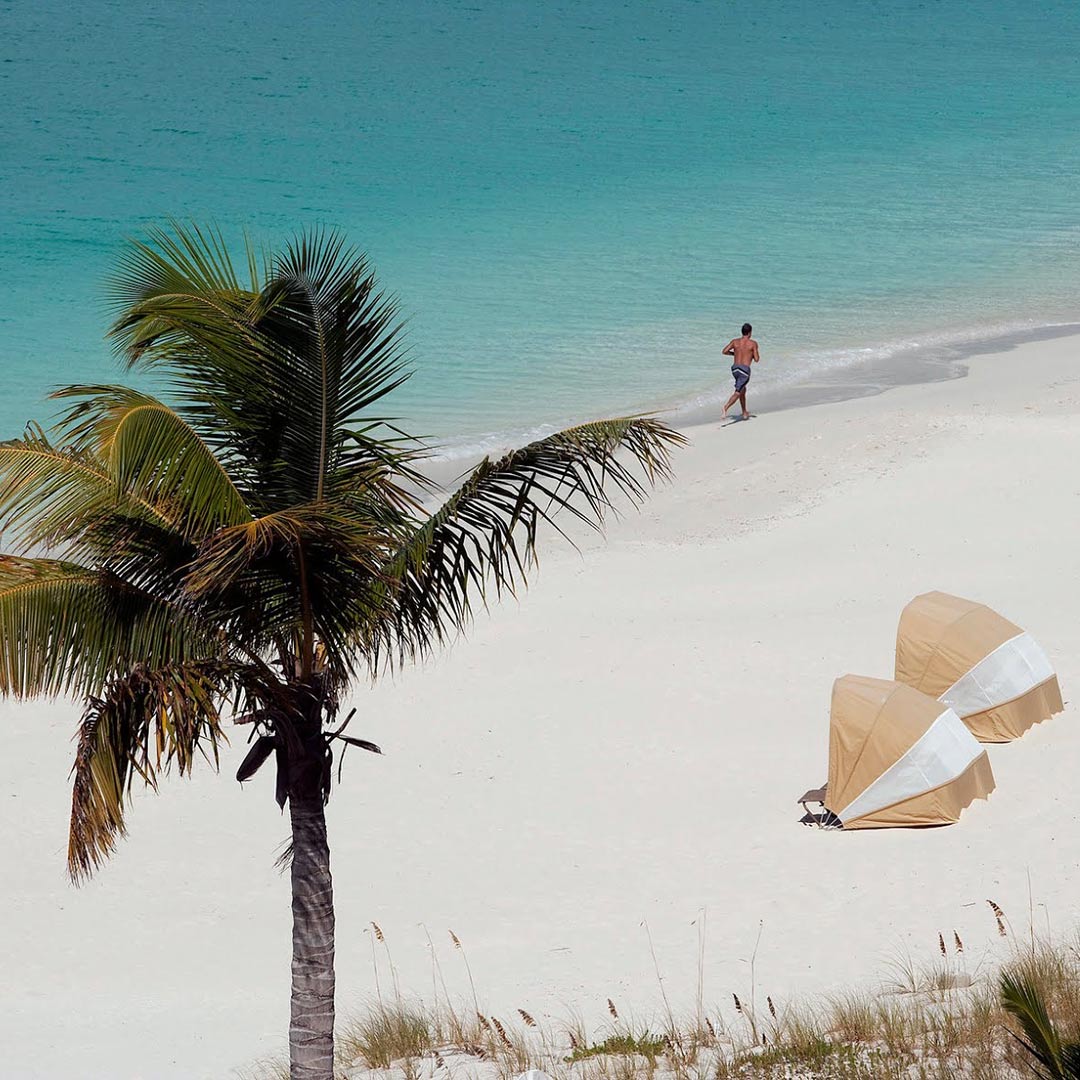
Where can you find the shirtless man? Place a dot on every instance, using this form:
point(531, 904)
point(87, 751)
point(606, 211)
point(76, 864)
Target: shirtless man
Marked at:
point(745, 352)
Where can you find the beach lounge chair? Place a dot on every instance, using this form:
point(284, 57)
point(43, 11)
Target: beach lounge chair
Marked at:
point(821, 816)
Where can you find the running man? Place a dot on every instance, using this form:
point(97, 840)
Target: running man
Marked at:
point(745, 352)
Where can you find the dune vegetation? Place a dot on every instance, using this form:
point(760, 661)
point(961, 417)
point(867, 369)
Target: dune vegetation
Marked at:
point(949, 1016)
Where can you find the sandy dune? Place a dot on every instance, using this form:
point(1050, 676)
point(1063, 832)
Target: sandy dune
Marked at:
point(625, 744)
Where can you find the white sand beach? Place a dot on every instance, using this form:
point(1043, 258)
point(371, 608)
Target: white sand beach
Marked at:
point(625, 744)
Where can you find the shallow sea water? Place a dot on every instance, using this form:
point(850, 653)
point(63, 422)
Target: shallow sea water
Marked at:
point(577, 203)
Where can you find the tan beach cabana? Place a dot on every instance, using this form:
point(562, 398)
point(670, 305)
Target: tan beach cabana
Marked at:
point(898, 757)
point(993, 675)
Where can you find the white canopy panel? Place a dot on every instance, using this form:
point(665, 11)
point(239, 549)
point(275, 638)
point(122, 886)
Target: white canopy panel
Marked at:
point(1010, 671)
point(944, 751)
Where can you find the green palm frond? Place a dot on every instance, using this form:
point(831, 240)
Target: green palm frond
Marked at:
point(68, 629)
point(1022, 1000)
point(153, 455)
point(486, 532)
point(178, 295)
point(145, 722)
point(273, 379)
point(289, 576)
point(183, 309)
point(380, 446)
point(339, 336)
point(184, 313)
point(50, 495)
point(184, 253)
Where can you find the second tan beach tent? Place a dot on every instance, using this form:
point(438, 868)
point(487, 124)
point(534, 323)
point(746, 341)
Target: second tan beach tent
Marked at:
point(898, 757)
point(993, 675)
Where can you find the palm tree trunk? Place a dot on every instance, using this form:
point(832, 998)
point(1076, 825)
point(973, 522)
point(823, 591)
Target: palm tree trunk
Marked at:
point(311, 1027)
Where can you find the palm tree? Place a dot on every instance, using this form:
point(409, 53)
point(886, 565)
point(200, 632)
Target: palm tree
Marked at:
point(245, 545)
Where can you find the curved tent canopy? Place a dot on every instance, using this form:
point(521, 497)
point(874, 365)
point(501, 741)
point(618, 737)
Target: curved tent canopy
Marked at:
point(993, 675)
point(898, 757)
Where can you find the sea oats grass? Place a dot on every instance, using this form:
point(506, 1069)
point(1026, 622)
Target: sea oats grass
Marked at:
point(940, 1017)
point(384, 1034)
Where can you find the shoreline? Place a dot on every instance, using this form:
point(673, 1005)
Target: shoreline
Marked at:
point(898, 364)
point(623, 747)
point(848, 382)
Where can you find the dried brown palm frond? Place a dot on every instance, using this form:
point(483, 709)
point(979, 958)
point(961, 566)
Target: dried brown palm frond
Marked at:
point(145, 723)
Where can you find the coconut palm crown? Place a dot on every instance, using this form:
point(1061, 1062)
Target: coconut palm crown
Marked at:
point(246, 545)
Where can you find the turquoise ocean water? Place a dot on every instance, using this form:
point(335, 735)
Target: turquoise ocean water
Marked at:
point(577, 203)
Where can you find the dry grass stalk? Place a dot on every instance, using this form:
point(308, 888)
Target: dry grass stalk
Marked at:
point(468, 970)
point(999, 918)
point(943, 1027)
point(385, 1034)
